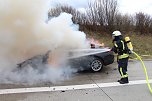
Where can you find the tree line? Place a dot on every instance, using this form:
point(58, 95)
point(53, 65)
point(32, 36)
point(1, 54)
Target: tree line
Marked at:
point(104, 16)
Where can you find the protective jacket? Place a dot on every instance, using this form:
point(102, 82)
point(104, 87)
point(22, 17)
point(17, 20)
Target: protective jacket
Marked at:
point(120, 47)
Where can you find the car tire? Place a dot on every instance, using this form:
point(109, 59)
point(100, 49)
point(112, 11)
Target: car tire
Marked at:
point(96, 64)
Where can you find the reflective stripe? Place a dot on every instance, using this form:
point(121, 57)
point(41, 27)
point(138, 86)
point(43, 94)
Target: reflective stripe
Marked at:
point(121, 71)
point(116, 45)
point(123, 45)
point(123, 76)
point(123, 56)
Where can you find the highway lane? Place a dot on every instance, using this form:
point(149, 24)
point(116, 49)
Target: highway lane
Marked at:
point(134, 91)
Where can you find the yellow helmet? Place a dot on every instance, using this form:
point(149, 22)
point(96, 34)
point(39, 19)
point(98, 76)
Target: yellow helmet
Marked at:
point(116, 33)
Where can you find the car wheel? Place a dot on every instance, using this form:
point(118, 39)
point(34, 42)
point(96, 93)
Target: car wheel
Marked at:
point(96, 65)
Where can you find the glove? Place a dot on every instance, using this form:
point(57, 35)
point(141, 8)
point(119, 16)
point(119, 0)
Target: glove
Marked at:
point(130, 51)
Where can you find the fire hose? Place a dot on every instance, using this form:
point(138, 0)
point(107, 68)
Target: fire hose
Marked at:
point(145, 71)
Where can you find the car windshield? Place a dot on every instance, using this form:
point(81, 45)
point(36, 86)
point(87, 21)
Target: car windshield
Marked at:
point(84, 52)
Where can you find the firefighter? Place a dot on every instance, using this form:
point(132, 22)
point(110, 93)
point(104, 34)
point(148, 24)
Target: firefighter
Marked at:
point(120, 47)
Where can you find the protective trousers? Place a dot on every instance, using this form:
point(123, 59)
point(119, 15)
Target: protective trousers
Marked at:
point(122, 67)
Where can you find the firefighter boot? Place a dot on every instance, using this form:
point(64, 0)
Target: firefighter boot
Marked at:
point(119, 80)
point(123, 80)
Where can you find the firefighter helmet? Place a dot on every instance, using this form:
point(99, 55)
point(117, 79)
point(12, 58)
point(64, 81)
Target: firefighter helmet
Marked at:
point(116, 33)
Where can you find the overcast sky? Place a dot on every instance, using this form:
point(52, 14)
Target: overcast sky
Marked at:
point(125, 6)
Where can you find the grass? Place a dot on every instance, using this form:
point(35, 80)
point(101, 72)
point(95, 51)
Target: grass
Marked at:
point(142, 43)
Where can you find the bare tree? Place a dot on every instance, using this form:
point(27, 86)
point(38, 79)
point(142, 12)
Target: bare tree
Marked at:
point(150, 26)
point(103, 16)
point(110, 7)
point(118, 21)
point(124, 23)
point(143, 22)
point(92, 15)
point(102, 12)
point(64, 8)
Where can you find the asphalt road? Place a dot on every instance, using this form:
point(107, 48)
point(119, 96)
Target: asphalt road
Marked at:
point(100, 86)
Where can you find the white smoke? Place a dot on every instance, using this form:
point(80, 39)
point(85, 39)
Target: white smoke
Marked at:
point(24, 33)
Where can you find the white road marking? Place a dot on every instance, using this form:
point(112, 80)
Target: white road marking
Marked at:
point(70, 87)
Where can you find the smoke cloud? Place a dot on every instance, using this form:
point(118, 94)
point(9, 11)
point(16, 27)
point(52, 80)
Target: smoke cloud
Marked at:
point(26, 32)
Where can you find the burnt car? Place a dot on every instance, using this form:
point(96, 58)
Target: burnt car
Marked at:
point(91, 59)
point(84, 59)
